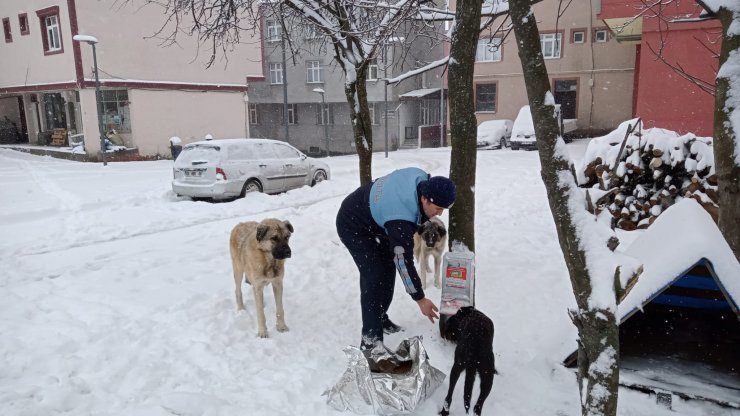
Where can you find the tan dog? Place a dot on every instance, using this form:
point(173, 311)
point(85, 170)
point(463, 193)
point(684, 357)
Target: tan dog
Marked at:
point(259, 250)
point(430, 240)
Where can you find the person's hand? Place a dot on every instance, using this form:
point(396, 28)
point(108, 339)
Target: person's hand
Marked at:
point(428, 309)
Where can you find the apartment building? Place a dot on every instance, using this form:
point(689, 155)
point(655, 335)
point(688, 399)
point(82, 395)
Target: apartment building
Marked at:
point(406, 115)
point(149, 92)
point(591, 74)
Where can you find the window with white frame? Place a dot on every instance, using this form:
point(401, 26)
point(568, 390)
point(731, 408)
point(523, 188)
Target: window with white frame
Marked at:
point(373, 119)
point(273, 30)
point(51, 37)
point(579, 36)
point(550, 43)
point(314, 72)
point(276, 73)
point(292, 114)
point(324, 114)
point(489, 50)
point(253, 114)
point(372, 72)
point(600, 36)
point(312, 32)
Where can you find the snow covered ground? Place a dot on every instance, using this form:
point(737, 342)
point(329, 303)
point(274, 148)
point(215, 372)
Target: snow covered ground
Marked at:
point(116, 297)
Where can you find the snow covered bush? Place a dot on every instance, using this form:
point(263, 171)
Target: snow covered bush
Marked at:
point(635, 173)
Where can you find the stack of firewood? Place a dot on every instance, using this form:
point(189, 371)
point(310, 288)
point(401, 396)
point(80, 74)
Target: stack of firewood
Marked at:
point(641, 176)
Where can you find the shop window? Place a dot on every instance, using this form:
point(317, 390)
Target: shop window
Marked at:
point(116, 112)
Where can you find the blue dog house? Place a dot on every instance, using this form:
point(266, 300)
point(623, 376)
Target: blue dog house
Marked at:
point(680, 322)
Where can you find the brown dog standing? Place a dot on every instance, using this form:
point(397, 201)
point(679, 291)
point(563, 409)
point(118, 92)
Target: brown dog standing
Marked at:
point(259, 250)
point(430, 239)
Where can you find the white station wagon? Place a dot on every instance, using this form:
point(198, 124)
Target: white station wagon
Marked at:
point(228, 168)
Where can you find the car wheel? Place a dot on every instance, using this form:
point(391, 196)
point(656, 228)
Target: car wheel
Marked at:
point(319, 176)
point(514, 147)
point(503, 142)
point(250, 186)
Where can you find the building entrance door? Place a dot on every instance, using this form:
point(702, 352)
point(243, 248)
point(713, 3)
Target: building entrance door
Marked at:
point(566, 94)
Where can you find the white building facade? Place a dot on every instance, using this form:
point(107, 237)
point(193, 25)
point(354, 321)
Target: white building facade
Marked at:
point(150, 92)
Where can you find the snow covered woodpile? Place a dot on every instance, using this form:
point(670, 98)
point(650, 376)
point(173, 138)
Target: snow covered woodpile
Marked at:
point(635, 173)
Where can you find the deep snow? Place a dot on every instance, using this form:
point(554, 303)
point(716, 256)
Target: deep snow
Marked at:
point(116, 297)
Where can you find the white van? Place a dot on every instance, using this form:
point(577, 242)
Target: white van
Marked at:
point(522, 132)
point(229, 168)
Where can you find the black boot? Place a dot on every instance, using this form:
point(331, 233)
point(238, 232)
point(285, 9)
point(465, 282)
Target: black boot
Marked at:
point(389, 327)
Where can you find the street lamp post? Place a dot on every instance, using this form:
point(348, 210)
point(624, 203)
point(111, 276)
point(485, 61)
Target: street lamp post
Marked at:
point(324, 119)
point(92, 40)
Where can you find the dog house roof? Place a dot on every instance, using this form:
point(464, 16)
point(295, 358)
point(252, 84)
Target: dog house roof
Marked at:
point(681, 237)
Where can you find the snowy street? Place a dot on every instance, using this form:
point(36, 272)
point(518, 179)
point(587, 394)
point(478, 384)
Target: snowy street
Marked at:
point(117, 297)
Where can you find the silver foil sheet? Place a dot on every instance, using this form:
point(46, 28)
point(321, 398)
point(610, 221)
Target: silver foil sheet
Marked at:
point(363, 392)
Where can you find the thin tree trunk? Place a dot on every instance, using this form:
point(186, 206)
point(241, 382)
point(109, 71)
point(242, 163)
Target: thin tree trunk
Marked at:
point(362, 127)
point(599, 336)
point(463, 125)
point(725, 143)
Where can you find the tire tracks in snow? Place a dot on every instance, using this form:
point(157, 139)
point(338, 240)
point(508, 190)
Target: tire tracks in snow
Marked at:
point(91, 242)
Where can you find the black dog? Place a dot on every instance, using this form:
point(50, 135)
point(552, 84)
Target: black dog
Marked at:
point(473, 331)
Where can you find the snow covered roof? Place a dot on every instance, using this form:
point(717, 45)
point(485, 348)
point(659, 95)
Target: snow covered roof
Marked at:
point(419, 94)
point(681, 237)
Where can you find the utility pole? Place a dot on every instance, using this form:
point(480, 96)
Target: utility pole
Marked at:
point(285, 76)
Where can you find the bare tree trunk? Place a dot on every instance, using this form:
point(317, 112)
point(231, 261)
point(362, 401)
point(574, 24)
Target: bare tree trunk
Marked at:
point(599, 336)
point(463, 125)
point(362, 127)
point(725, 142)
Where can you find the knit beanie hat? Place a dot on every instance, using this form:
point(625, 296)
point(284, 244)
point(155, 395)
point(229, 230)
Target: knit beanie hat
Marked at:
point(439, 190)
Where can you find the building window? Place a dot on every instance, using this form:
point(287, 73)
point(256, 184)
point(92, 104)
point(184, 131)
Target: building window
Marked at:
point(292, 111)
point(485, 97)
point(312, 32)
point(600, 36)
point(276, 73)
point(253, 115)
point(372, 72)
point(116, 114)
point(489, 50)
point(550, 43)
point(273, 30)
point(373, 115)
point(6, 30)
point(578, 36)
point(314, 72)
point(324, 115)
point(50, 31)
point(23, 23)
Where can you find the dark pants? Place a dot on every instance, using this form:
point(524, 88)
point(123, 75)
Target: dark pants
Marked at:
point(374, 260)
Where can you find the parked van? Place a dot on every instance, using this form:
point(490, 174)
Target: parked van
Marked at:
point(228, 168)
